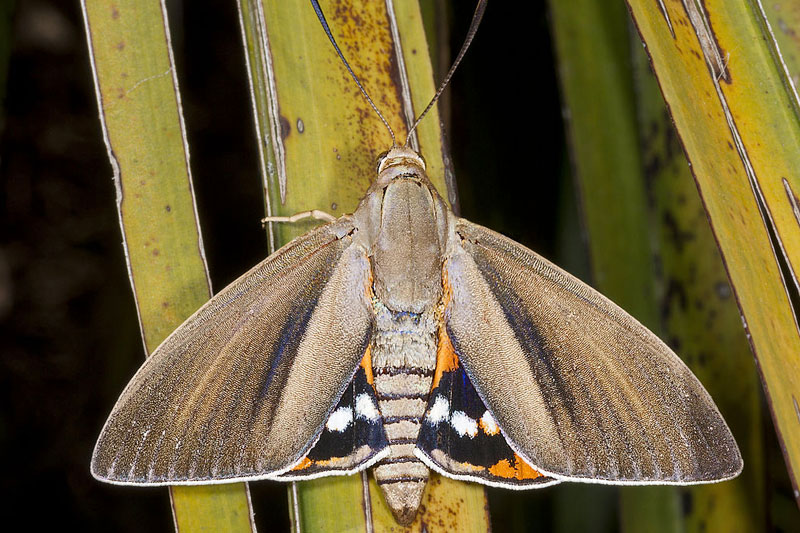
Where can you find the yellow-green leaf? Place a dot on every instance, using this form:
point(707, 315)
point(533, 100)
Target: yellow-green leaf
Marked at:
point(699, 315)
point(736, 116)
point(137, 94)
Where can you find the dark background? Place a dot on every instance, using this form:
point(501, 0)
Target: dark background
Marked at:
point(68, 328)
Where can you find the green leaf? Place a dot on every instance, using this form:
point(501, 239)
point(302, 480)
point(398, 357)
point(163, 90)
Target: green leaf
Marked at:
point(699, 316)
point(137, 94)
point(736, 115)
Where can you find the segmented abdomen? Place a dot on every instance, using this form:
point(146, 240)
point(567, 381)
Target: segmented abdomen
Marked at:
point(403, 361)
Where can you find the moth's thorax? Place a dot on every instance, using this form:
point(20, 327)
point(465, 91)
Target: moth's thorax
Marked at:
point(407, 254)
point(403, 227)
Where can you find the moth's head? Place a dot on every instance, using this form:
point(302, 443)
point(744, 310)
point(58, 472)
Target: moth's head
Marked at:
point(401, 160)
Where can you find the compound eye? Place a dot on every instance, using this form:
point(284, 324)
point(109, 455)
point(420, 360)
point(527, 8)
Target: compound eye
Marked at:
point(380, 160)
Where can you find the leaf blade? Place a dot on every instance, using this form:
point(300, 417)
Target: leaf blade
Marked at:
point(741, 144)
point(142, 121)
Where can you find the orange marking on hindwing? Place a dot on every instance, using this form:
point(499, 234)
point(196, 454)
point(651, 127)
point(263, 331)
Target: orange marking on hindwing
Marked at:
point(525, 470)
point(519, 470)
point(366, 361)
point(306, 463)
point(370, 289)
point(366, 364)
point(302, 465)
point(447, 289)
point(470, 466)
point(446, 358)
point(502, 468)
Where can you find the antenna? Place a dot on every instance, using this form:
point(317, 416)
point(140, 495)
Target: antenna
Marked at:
point(473, 28)
point(327, 29)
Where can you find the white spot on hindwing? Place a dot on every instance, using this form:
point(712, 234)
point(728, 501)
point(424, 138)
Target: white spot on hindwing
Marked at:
point(463, 424)
point(366, 408)
point(340, 419)
point(489, 423)
point(440, 411)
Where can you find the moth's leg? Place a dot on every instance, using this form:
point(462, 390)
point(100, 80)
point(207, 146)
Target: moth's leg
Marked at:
point(314, 213)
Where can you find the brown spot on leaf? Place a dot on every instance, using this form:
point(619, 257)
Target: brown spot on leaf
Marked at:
point(286, 128)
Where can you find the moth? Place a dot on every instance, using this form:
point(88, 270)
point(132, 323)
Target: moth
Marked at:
point(404, 338)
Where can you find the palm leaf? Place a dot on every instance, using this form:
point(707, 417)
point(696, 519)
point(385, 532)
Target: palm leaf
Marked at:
point(137, 94)
point(735, 110)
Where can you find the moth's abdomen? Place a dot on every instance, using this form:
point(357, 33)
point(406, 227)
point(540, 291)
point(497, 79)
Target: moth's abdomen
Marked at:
point(403, 362)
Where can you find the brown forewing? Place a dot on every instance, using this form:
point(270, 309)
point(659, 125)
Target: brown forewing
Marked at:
point(244, 386)
point(580, 389)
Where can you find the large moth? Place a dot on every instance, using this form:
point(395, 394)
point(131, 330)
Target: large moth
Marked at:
point(404, 338)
